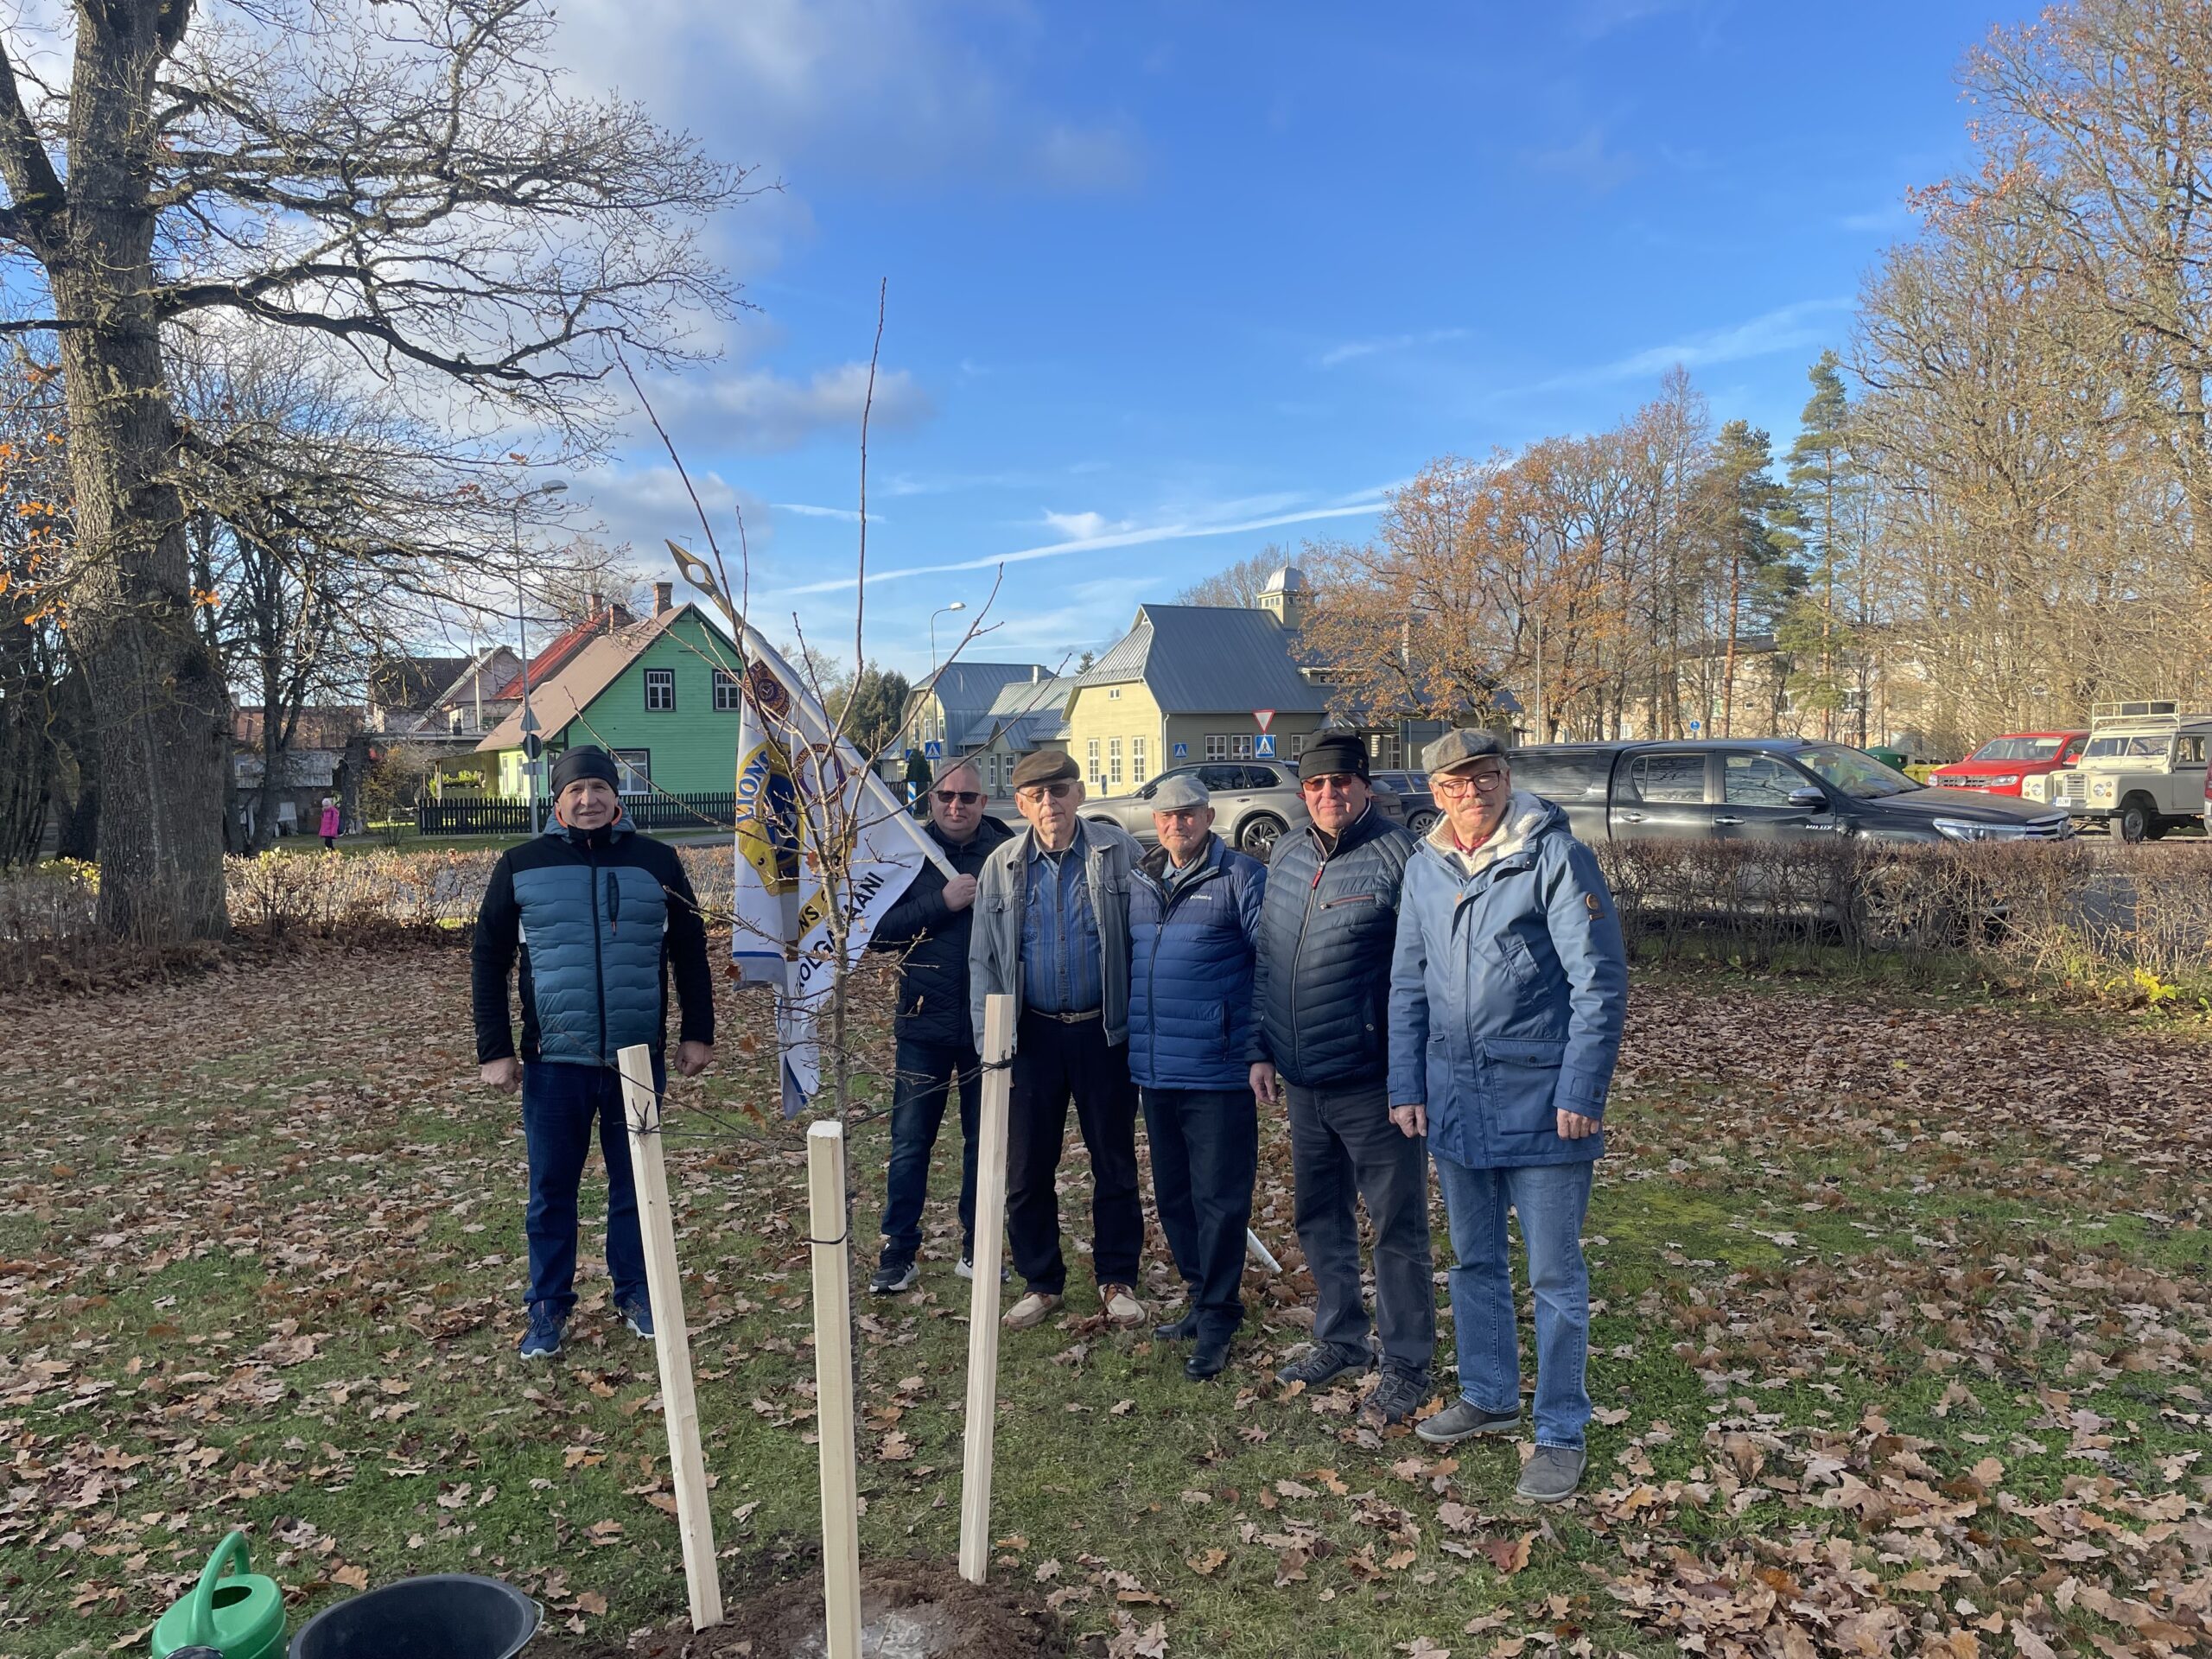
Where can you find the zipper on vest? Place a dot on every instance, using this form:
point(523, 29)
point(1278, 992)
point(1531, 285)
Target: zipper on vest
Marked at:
point(598, 955)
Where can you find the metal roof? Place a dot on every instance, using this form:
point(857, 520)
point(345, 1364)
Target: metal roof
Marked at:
point(967, 692)
point(1023, 711)
point(1205, 660)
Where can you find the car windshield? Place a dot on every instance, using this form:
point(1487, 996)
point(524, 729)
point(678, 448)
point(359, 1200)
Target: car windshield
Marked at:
point(2018, 749)
point(2139, 746)
point(1859, 776)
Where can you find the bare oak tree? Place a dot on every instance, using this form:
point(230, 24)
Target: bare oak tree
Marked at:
point(409, 181)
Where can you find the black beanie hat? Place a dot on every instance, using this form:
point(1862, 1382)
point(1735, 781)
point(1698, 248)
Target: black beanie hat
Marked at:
point(589, 762)
point(1333, 752)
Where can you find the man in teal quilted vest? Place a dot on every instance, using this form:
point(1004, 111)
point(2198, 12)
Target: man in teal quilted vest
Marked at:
point(601, 915)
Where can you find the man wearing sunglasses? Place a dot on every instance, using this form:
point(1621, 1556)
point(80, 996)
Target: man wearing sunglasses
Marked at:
point(1052, 930)
point(1508, 996)
point(929, 930)
point(1323, 986)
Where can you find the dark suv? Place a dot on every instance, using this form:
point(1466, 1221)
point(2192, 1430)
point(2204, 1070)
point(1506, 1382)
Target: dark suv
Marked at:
point(1763, 789)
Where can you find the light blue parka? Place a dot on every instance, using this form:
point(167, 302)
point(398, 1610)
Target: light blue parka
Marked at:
point(1508, 992)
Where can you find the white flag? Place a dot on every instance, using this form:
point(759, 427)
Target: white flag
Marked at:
point(802, 788)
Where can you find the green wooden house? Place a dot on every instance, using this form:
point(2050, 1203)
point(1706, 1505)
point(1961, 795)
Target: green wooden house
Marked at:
point(659, 694)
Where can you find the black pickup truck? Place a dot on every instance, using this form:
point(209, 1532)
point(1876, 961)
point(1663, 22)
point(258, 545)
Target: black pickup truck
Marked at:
point(1762, 789)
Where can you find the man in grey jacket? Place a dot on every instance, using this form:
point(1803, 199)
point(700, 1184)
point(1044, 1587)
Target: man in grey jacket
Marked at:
point(1051, 929)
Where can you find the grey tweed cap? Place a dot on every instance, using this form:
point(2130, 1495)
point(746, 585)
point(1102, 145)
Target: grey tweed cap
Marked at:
point(1461, 748)
point(1178, 791)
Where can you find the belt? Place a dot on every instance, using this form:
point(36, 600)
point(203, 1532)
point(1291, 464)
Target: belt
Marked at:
point(1065, 1019)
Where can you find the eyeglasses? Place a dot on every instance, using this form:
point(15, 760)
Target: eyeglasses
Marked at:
point(1335, 783)
point(1035, 792)
point(1458, 786)
point(948, 796)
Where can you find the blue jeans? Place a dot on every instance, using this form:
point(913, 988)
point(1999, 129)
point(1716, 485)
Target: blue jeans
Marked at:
point(558, 1105)
point(1551, 1200)
point(926, 1071)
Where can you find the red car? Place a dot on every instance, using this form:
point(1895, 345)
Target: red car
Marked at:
point(2001, 766)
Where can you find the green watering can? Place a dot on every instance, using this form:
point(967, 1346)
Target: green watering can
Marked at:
point(238, 1617)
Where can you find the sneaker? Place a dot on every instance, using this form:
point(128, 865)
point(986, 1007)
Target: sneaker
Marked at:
point(637, 1315)
point(892, 1277)
point(541, 1340)
point(1121, 1304)
point(1459, 1421)
point(1324, 1361)
point(1397, 1396)
point(1552, 1475)
point(965, 1268)
point(1033, 1309)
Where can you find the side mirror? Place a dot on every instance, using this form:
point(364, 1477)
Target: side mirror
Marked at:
point(1809, 799)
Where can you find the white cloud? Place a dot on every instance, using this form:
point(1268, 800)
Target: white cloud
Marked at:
point(808, 509)
point(1138, 535)
point(1083, 526)
point(1588, 161)
point(1789, 327)
point(1352, 349)
point(761, 411)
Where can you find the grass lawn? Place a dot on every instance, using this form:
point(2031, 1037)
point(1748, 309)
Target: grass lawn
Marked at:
point(1900, 1345)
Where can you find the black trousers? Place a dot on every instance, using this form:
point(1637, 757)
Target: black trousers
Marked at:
point(1205, 1154)
point(1054, 1064)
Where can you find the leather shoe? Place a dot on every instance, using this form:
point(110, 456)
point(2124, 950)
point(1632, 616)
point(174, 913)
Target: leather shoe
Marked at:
point(1180, 1330)
point(1209, 1358)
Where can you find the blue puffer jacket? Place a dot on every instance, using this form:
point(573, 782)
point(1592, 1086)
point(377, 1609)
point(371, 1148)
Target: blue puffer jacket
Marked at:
point(598, 919)
point(1191, 971)
point(1325, 936)
point(1509, 992)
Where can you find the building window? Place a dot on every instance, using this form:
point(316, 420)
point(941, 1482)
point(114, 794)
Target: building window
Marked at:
point(636, 767)
point(726, 701)
point(1113, 761)
point(1140, 767)
point(1216, 745)
point(1297, 745)
point(1113, 694)
point(1240, 746)
point(1091, 748)
point(660, 690)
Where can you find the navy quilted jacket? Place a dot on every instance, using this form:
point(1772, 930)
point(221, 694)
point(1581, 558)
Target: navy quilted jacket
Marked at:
point(599, 920)
point(1326, 934)
point(1191, 970)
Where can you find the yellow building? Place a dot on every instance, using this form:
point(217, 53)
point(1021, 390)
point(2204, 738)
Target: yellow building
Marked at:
point(1186, 684)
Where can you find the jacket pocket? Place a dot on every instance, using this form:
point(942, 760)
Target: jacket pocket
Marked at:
point(1521, 1078)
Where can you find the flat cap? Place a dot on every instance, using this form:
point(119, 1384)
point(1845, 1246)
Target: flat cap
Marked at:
point(1461, 748)
point(1331, 754)
point(1045, 767)
point(1179, 790)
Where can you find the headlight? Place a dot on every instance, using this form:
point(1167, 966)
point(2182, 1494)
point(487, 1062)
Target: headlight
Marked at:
point(2102, 789)
point(1960, 829)
point(2037, 788)
point(2005, 781)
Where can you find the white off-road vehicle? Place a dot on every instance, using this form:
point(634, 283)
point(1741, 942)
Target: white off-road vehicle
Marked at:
point(2142, 771)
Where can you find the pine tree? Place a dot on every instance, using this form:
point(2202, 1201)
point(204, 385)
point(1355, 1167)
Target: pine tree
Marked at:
point(1823, 474)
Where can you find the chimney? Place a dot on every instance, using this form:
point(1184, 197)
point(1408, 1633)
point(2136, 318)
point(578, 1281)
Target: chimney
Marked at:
point(1036, 673)
point(663, 598)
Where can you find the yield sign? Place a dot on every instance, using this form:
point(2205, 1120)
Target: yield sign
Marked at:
point(1263, 716)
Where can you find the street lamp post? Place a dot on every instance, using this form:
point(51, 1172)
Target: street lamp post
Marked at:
point(522, 633)
point(957, 605)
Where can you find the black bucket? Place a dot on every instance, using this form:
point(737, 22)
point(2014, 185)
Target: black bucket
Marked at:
point(443, 1615)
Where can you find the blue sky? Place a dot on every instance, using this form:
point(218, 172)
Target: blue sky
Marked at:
point(1170, 280)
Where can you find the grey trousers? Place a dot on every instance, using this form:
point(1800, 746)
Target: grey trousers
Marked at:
point(1342, 1145)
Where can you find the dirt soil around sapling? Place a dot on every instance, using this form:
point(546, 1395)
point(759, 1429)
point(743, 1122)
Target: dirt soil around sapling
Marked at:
point(909, 1610)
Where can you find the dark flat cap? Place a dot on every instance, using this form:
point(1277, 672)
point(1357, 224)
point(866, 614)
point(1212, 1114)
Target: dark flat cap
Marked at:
point(1334, 752)
point(1045, 767)
point(1461, 748)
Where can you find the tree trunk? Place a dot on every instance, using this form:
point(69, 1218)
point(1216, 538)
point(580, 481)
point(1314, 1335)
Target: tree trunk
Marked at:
point(158, 701)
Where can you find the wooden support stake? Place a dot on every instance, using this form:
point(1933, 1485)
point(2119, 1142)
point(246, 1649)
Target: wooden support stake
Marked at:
point(833, 1389)
point(679, 1405)
point(984, 1306)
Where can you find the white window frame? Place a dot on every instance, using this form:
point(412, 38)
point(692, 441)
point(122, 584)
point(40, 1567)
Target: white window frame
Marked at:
point(1240, 745)
point(1140, 762)
point(1114, 762)
point(636, 767)
point(1216, 745)
point(727, 697)
point(1091, 751)
point(660, 679)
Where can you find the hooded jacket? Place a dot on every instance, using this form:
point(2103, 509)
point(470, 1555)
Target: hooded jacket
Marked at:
point(599, 919)
point(1322, 980)
point(1190, 949)
point(933, 968)
point(1508, 992)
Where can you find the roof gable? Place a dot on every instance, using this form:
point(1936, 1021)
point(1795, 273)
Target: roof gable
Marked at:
point(596, 666)
point(1201, 660)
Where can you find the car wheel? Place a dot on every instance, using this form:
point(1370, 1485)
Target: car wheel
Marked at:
point(1258, 835)
point(1421, 822)
point(2136, 818)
